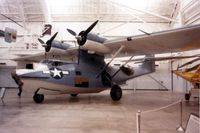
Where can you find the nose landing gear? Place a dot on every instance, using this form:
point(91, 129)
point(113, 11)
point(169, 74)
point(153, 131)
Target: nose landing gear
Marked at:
point(38, 98)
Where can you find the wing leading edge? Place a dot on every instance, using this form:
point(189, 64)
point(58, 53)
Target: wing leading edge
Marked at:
point(176, 40)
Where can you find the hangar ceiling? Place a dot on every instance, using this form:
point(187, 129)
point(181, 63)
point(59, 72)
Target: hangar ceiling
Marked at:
point(154, 11)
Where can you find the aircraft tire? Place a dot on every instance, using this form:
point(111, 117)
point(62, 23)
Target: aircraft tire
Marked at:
point(74, 95)
point(38, 98)
point(116, 93)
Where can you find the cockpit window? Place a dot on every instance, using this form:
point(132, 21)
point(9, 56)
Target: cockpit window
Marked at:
point(29, 66)
point(56, 63)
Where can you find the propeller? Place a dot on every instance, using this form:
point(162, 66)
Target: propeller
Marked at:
point(41, 41)
point(48, 43)
point(82, 36)
point(71, 32)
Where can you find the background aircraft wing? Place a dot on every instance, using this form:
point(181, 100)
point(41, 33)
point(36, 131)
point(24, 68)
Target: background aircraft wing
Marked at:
point(176, 40)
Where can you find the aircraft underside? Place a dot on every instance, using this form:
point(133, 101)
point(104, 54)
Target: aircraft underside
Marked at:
point(46, 87)
point(40, 88)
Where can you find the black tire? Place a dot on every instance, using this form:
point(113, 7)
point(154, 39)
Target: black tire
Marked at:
point(38, 98)
point(74, 95)
point(187, 96)
point(116, 93)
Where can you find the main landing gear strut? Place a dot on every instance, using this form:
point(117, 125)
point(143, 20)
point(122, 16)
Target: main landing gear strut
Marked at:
point(38, 98)
point(116, 91)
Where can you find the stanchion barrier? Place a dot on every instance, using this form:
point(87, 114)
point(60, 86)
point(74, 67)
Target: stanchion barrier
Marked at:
point(180, 128)
point(140, 113)
point(138, 117)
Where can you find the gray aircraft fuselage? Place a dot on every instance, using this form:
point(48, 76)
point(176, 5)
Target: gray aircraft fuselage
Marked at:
point(81, 77)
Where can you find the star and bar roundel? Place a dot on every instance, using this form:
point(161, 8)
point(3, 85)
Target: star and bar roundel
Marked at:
point(56, 73)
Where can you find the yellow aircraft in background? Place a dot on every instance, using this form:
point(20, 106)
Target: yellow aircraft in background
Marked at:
point(193, 76)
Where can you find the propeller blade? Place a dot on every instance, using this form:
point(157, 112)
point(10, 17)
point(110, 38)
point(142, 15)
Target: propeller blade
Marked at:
point(41, 41)
point(71, 32)
point(90, 28)
point(52, 38)
point(49, 42)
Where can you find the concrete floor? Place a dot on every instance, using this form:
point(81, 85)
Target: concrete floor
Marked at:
point(93, 113)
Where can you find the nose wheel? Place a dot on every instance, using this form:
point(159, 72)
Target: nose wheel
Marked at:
point(116, 93)
point(38, 98)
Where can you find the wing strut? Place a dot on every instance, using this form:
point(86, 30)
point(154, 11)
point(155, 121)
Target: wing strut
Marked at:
point(121, 66)
point(113, 57)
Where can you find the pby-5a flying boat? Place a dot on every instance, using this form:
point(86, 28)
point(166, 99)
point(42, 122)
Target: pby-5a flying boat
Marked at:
point(90, 73)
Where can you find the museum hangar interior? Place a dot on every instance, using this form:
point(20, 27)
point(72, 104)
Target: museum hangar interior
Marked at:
point(142, 57)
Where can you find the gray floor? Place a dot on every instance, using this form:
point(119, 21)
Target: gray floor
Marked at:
point(93, 113)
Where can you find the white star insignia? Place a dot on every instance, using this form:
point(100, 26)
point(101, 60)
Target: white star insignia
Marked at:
point(56, 72)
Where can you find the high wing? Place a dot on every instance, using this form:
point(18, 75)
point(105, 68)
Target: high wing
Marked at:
point(176, 40)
